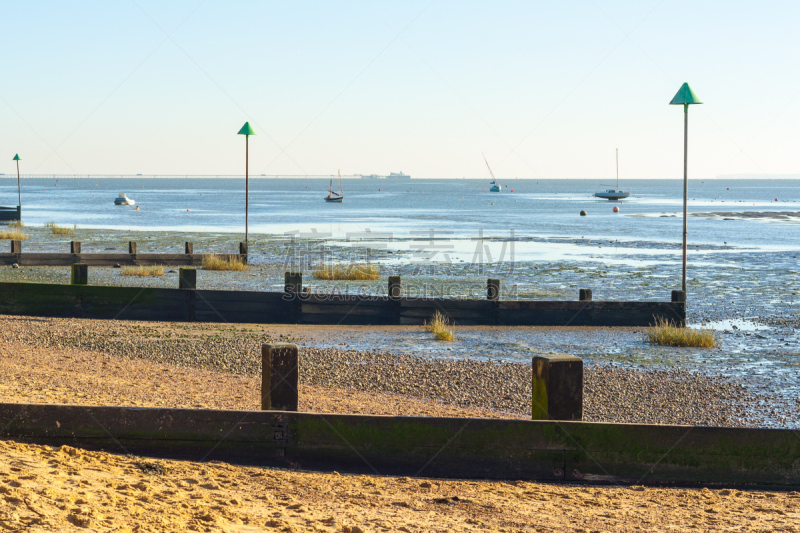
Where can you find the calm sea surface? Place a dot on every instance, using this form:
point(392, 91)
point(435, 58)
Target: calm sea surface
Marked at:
point(411, 209)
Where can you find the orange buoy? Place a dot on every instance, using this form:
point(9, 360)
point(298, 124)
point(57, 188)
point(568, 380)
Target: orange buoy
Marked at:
point(616, 209)
point(512, 190)
point(187, 210)
point(776, 199)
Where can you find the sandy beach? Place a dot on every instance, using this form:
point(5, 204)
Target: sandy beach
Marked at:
point(68, 489)
point(125, 363)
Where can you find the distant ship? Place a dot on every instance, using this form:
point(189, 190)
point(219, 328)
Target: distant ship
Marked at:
point(391, 176)
point(495, 186)
point(613, 194)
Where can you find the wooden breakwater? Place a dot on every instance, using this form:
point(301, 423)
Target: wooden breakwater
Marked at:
point(132, 258)
point(196, 305)
point(9, 214)
point(421, 446)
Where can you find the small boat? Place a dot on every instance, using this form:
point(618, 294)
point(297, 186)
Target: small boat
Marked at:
point(123, 199)
point(613, 194)
point(335, 196)
point(495, 187)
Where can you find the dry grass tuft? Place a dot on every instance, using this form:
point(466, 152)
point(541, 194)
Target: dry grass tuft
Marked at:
point(16, 224)
point(351, 272)
point(439, 325)
point(144, 271)
point(665, 333)
point(60, 230)
point(12, 235)
point(223, 262)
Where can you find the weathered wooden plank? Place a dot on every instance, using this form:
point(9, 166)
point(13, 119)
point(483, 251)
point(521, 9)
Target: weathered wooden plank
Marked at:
point(423, 446)
point(106, 259)
point(309, 309)
point(445, 302)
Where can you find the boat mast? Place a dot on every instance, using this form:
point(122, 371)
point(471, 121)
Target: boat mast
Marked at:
point(487, 166)
point(330, 186)
point(617, 168)
point(339, 172)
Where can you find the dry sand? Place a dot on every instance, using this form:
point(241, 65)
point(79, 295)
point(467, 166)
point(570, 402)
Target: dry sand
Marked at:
point(67, 489)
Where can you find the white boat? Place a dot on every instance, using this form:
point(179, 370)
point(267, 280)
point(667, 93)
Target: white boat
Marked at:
point(123, 199)
point(495, 187)
point(613, 194)
point(333, 196)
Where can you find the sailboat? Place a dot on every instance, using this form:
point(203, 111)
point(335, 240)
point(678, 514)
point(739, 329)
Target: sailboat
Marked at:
point(495, 186)
point(614, 194)
point(335, 196)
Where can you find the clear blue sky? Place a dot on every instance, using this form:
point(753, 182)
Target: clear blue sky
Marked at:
point(544, 89)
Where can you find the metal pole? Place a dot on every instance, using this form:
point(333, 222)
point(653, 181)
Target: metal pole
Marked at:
point(19, 187)
point(685, 184)
point(247, 185)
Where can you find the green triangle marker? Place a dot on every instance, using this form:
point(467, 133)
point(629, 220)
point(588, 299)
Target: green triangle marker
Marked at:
point(685, 96)
point(247, 129)
point(17, 158)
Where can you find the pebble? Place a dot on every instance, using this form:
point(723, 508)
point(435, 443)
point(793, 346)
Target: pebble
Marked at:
point(611, 394)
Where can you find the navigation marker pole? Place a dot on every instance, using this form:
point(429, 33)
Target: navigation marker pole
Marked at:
point(247, 131)
point(17, 158)
point(686, 97)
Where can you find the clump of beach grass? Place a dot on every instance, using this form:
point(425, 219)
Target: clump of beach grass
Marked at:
point(351, 272)
point(60, 230)
point(223, 262)
point(16, 224)
point(143, 271)
point(439, 325)
point(13, 235)
point(666, 333)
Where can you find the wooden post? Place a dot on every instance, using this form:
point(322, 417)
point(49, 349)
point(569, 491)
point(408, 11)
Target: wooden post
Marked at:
point(557, 388)
point(395, 288)
point(187, 278)
point(243, 251)
point(189, 248)
point(279, 377)
point(678, 296)
point(293, 282)
point(585, 295)
point(131, 247)
point(75, 247)
point(16, 247)
point(80, 274)
point(493, 289)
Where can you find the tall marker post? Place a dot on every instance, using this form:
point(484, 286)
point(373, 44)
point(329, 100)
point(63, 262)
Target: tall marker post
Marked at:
point(685, 97)
point(17, 158)
point(247, 131)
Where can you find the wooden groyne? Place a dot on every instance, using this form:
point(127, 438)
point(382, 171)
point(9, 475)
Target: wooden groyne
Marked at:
point(290, 307)
point(132, 258)
point(420, 446)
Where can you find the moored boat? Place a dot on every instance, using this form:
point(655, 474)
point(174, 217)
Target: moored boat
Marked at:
point(613, 194)
point(333, 196)
point(495, 187)
point(123, 199)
